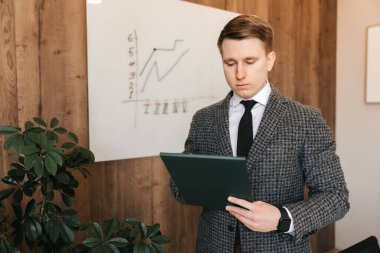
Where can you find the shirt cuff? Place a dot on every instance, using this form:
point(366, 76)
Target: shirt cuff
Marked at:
point(291, 228)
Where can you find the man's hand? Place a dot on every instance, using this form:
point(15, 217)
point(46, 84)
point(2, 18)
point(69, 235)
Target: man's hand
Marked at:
point(257, 216)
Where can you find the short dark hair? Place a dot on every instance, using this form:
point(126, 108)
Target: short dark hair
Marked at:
point(247, 26)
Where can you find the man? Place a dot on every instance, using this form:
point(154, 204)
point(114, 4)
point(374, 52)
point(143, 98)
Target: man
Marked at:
point(287, 146)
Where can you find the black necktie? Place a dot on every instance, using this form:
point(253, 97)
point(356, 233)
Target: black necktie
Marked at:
point(244, 143)
point(245, 132)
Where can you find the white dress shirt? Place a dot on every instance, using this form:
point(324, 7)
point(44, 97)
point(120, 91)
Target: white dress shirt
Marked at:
point(236, 111)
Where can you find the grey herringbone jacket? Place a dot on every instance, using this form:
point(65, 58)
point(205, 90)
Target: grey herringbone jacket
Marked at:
point(293, 148)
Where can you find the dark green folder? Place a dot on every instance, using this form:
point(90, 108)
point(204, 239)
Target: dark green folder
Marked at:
point(207, 181)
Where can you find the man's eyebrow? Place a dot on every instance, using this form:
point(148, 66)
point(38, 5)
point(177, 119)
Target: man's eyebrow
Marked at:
point(229, 59)
point(251, 58)
point(247, 58)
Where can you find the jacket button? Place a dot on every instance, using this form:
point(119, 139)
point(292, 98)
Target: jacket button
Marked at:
point(230, 228)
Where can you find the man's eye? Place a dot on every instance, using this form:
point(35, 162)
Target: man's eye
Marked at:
point(229, 64)
point(250, 62)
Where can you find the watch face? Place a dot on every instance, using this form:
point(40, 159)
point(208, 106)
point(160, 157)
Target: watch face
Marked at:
point(284, 224)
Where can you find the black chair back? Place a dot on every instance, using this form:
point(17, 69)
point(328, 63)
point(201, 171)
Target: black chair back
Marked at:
point(368, 245)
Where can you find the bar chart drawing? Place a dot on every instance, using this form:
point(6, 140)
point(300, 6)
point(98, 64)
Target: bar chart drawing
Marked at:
point(148, 76)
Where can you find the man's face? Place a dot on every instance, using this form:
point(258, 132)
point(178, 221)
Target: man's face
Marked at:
point(246, 65)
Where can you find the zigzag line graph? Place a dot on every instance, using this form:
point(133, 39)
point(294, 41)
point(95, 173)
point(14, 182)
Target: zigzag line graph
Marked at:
point(155, 64)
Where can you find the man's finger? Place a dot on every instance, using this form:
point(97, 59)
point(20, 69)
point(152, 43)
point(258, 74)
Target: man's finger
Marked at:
point(243, 219)
point(241, 202)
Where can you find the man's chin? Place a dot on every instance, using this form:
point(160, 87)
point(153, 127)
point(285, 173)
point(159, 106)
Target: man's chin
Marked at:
point(244, 94)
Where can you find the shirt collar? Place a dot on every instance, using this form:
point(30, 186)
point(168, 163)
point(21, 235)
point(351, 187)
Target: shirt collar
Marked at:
point(261, 97)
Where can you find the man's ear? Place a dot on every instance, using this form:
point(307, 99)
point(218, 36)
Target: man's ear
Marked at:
point(271, 58)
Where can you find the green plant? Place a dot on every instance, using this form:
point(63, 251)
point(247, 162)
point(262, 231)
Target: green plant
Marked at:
point(41, 166)
point(130, 236)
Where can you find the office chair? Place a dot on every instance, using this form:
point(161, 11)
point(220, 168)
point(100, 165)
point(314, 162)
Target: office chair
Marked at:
point(368, 245)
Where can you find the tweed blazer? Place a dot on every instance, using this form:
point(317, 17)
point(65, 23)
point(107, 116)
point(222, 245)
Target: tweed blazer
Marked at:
point(292, 148)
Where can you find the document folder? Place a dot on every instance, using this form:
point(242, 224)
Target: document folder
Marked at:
point(207, 181)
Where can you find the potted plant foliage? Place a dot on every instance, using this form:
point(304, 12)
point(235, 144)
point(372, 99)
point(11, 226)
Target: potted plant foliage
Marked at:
point(43, 157)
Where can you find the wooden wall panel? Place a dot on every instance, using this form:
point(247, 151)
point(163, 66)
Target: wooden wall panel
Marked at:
point(27, 38)
point(44, 73)
point(8, 84)
point(258, 7)
point(327, 60)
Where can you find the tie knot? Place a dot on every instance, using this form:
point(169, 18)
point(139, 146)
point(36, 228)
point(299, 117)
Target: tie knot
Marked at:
point(248, 104)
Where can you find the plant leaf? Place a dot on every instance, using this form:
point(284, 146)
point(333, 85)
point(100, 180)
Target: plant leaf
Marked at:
point(8, 144)
point(40, 121)
point(28, 150)
point(109, 226)
point(73, 137)
point(84, 172)
point(38, 227)
point(29, 125)
point(140, 247)
point(38, 166)
point(132, 221)
point(60, 130)
point(71, 221)
point(67, 199)
point(159, 248)
point(152, 249)
point(99, 249)
point(29, 159)
point(91, 242)
point(96, 230)
point(30, 230)
point(67, 233)
point(18, 142)
point(134, 232)
point(68, 145)
point(42, 140)
point(69, 212)
point(63, 177)
point(8, 130)
point(52, 228)
point(6, 193)
point(112, 248)
point(30, 207)
point(143, 231)
point(54, 122)
point(50, 165)
point(56, 157)
point(119, 242)
point(17, 196)
point(17, 209)
point(9, 180)
point(153, 230)
point(160, 239)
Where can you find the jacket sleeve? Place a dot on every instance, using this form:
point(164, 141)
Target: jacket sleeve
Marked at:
point(327, 199)
point(190, 147)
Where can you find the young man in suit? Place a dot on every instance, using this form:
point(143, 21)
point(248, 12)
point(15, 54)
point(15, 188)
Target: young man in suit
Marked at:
point(287, 146)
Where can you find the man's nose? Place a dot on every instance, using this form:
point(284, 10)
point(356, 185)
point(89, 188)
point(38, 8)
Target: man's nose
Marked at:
point(240, 72)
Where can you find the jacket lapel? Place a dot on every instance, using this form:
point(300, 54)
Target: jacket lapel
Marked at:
point(273, 114)
point(222, 126)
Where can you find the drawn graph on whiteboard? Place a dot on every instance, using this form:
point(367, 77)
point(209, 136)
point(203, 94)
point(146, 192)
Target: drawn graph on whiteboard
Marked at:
point(152, 65)
point(155, 69)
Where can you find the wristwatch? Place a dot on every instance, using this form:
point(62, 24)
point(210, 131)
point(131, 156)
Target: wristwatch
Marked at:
point(284, 222)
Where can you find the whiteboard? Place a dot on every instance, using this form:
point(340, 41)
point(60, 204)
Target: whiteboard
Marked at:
point(151, 65)
point(373, 65)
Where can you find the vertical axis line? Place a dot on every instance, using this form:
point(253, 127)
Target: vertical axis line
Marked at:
point(136, 76)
